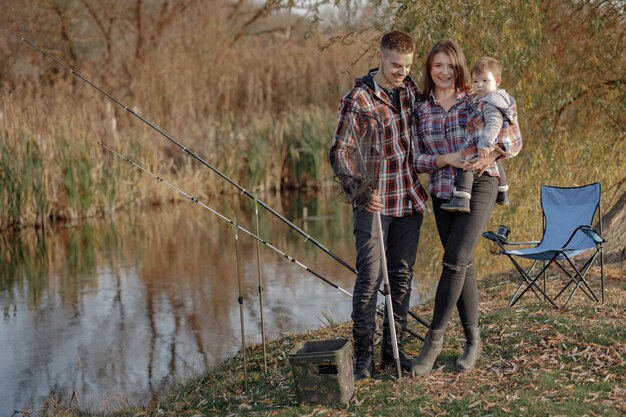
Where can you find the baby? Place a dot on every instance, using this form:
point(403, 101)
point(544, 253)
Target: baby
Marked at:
point(492, 125)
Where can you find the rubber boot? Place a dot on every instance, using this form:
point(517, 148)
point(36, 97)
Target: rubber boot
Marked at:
point(471, 351)
point(406, 362)
point(433, 345)
point(363, 357)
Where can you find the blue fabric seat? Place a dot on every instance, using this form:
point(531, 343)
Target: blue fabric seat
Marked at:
point(568, 214)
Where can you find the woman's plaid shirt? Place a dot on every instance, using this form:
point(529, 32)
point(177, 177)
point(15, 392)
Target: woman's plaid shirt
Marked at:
point(397, 180)
point(440, 132)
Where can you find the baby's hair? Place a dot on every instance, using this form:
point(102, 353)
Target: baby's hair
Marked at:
point(487, 64)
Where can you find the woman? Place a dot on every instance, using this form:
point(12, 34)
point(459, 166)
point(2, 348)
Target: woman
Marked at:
point(441, 117)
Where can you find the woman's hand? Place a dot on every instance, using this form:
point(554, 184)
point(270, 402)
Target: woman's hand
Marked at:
point(452, 159)
point(479, 164)
point(374, 204)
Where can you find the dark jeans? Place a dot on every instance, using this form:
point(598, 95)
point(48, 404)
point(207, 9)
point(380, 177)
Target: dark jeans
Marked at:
point(401, 236)
point(459, 234)
point(465, 179)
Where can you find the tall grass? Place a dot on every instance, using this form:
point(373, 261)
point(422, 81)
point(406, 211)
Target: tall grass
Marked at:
point(60, 173)
point(261, 110)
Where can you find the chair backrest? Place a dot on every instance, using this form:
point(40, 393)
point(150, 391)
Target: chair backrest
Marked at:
point(564, 210)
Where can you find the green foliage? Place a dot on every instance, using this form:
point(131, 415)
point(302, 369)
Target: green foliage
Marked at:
point(562, 62)
point(21, 180)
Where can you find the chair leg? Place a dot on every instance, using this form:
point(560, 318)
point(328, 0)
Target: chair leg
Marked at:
point(563, 289)
point(527, 280)
point(532, 282)
point(529, 273)
point(572, 279)
point(545, 286)
point(581, 278)
point(602, 273)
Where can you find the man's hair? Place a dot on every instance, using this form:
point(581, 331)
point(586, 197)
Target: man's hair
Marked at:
point(487, 64)
point(399, 41)
point(462, 78)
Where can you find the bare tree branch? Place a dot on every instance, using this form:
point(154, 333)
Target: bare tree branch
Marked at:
point(139, 28)
point(105, 30)
point(65, 34)
point(267, 8)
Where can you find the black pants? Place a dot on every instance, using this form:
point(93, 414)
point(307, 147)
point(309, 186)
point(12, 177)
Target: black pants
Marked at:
point(459, 234)
point(465, 179)
point(401, 236)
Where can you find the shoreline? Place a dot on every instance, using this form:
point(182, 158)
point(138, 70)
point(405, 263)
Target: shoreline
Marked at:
point(530, 351)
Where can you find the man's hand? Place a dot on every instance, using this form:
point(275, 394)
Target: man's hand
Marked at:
point(374, 204)
point(483, 153)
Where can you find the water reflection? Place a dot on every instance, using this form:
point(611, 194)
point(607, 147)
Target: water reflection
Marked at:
point(117, 310)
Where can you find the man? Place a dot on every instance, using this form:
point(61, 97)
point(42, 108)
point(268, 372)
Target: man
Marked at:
point(378, 177)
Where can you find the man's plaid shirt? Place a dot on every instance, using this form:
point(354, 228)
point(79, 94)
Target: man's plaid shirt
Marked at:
point(397, 180)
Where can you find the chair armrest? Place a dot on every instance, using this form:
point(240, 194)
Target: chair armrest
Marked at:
point(593, 234)
point(590, 232)
point(494, 237)
point(531, 242)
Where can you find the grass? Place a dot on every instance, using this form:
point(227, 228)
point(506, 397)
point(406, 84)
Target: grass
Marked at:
point(536, 361)
point(60, 175)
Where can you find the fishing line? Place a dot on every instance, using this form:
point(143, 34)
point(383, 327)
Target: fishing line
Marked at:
point(249, 233)
point(185, 150)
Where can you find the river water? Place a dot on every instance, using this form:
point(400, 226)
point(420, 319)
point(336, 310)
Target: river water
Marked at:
point(118, 310)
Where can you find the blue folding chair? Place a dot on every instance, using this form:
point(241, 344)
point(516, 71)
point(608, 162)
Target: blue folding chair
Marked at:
point(568, 233)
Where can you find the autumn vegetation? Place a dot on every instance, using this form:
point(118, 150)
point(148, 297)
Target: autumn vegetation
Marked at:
point(253, 89)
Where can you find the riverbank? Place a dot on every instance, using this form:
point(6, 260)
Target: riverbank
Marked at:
point(537, 361)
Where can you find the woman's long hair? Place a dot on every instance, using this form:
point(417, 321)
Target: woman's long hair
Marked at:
point(462, 78)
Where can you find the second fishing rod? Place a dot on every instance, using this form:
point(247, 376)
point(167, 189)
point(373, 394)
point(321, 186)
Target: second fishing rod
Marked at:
point(194, 156)
point(253, 235)
point(185, 150)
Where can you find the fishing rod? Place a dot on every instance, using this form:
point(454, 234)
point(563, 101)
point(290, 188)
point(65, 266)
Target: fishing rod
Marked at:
point(260, 281)
point(252, 235)
point(388, 301)
point(184, 149)
point(199, 159)
point(240, 302)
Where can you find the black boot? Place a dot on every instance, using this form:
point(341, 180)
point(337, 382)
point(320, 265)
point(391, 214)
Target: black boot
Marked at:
point(472, 350)
point(406, 362)
point(363, 357)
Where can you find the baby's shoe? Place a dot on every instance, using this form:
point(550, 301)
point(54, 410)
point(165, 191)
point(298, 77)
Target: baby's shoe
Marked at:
point(503, 198)
point(457, 205)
